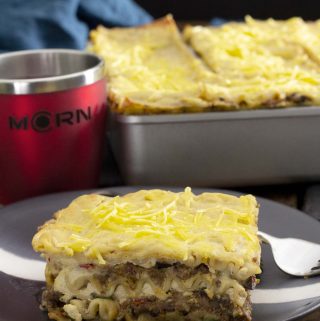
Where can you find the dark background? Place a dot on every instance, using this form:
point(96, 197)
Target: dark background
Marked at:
point(232, 9)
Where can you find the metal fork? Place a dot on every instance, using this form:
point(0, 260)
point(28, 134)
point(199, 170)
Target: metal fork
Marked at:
point(294, 256)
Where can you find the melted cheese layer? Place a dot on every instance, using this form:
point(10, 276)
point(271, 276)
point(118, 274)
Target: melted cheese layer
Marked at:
point(264, 63)
point(152, 226)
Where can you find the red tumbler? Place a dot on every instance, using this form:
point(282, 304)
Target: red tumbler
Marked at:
point(52, 122)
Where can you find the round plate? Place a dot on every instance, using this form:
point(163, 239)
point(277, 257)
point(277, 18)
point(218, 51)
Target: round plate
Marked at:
point(279, 297)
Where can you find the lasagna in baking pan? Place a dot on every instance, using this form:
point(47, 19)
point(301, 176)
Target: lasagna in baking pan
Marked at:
point(151, 255)
point(252, 64)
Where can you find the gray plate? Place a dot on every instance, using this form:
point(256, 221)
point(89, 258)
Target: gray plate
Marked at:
point(19, 298)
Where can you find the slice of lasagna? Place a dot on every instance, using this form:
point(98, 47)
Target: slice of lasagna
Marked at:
point(151, 255)
point(149, 69)
point(264, 63)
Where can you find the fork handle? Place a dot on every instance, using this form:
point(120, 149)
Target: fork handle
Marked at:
point(266, 238)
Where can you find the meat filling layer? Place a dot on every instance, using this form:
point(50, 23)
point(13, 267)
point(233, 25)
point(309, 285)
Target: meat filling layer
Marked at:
point(197, 306)
point(127, 291)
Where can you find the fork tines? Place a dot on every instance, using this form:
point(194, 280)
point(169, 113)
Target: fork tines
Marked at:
point(316, 267)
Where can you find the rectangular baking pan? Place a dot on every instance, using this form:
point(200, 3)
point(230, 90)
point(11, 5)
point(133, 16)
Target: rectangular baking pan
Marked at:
point(218, 149)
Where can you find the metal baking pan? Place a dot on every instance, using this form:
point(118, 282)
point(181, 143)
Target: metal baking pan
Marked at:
point(218, 149)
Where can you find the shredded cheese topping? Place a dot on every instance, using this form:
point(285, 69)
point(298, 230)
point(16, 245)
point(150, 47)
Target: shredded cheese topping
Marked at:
point(156, 225)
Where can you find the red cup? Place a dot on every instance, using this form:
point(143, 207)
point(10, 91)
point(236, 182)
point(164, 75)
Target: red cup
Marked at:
point(52, 122)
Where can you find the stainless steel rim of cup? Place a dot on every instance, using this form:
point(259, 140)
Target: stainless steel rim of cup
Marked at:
point(48, 70)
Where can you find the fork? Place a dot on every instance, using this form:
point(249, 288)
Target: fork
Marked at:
point(294, 256)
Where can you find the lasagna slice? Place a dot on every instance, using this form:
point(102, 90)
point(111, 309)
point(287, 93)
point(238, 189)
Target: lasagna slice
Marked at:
point(150, 70)
point(264, 63)
point(151, 255)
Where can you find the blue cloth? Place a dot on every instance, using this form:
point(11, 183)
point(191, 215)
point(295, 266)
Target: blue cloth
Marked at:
point(218, 21)
point(33, 24)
